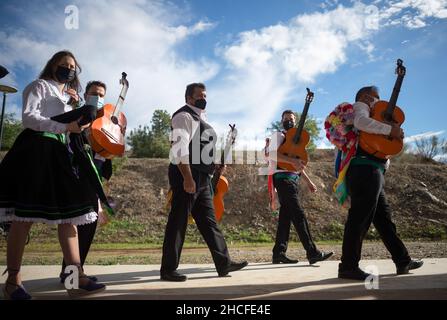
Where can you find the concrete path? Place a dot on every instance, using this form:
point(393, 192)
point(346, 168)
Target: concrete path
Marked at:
point(257, 281)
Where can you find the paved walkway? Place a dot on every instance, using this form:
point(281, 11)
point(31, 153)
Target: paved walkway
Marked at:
point(257, 281)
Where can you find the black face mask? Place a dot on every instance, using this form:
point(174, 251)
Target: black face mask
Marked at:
point(288, 124)
point(64, 74)
point(201, 104)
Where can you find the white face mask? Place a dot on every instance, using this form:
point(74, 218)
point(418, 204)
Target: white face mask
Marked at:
point(95, 101)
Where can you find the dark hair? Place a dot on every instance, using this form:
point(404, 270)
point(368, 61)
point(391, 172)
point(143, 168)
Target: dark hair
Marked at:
point(95, 83)
point(191, 87)
point(365, 90)
point(287, 112)
point(48, 73)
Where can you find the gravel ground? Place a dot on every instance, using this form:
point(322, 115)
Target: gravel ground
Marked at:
point(371, 250)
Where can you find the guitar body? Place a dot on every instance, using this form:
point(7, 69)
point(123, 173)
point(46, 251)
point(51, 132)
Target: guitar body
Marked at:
point(218, 199)
point(378, 145)
point(294, 150)
point(106, 137)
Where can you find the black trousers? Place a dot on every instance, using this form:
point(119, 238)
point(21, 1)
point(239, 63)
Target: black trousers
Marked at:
point(291, 212)
point(368, 205)
point(200, 205)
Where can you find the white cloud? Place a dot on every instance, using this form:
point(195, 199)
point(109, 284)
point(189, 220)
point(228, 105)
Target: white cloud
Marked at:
point(270, 66)
point(441, 158)
point(264, 69)
point(267, 67)
point(142, 38)
point(309, 45)
point(413, 14)
point(424, 135)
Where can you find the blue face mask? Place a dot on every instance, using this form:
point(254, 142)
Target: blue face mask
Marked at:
point(95, 101)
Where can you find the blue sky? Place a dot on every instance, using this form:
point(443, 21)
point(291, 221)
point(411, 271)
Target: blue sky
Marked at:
point(256, 57)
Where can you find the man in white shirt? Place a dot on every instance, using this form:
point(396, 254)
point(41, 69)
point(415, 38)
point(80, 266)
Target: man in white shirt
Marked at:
point(365, 183)
point(192, 165)
point(287, 185)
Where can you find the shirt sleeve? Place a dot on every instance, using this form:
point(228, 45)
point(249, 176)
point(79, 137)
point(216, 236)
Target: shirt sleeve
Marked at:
point(31, 112)
point(363, 121)
point(182, 129)
point(276, 140)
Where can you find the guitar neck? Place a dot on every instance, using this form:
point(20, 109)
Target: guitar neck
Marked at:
point(215, 180)
point(229, 143)
point(400, 70)
point(297, 136)
point(120, 101)
point(394, 96)
point(122, 96)
point(216, 177)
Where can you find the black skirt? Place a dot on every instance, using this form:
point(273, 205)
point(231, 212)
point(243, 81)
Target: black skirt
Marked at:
point(38, 183)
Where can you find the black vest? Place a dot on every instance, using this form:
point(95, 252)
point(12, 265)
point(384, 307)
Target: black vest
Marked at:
point(202, 141)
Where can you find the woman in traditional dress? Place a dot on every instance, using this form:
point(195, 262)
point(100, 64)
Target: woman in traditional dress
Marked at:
point(38, 183)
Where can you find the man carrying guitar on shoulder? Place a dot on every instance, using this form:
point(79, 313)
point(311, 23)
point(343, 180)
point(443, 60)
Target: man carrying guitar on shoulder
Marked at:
point(193, 143)
point(286, 184)
point(365, 184)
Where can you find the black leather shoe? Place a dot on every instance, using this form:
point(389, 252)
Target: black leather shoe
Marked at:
point(321, 256)
point(173, 276)
point(413, 264)
point(354, 274)
point(234, 266)
point(282, 258)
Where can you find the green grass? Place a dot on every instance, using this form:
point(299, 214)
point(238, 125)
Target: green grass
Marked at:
point(55, 247)
point(118, 163)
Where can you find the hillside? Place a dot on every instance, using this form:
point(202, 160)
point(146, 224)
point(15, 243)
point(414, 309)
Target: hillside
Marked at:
point(417, 192)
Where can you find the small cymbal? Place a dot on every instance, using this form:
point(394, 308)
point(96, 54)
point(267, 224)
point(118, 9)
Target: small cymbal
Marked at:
point(7, 89)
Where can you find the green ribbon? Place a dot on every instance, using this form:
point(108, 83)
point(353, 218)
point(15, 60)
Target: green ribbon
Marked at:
point(56, 136)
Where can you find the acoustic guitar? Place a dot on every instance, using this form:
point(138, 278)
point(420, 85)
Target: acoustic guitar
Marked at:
point(108, 130)
point(380, 146)
point(297, 139)
point(219, 182)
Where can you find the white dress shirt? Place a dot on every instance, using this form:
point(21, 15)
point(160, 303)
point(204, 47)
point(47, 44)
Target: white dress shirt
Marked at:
point(183, 129)
point(364, 122)
point(41, 101)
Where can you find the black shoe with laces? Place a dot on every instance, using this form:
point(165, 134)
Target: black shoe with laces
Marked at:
point(353, 274)
point(172, 276)
point(413, 264)
point(233, 266)
point(320, 256)
point(282, 258)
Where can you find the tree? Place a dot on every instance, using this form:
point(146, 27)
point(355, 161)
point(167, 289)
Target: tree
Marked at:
point(11, 129)
point(152, 142)
point(161, 123)
point(429, 148)
point(311, 126)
